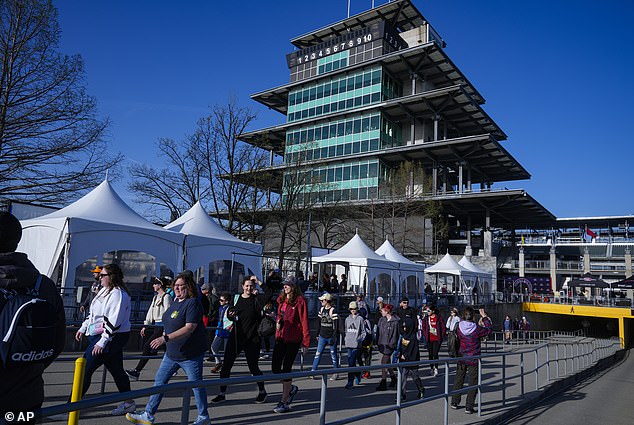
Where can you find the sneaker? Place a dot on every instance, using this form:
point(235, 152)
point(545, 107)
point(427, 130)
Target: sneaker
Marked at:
point(469, 410)
point(124, 408)
point(202, 421)
point(216, 368)
point(436, 371)
point(292, 394)
point(140, 418)
point(348, 386)
point(421, 394)
point(282, 408)
point(367, 375)
point(334, 377)
point(357, 379)
point(264, 357)
point(219, 398)
point(133, 374)
point(454, 406)
point(261, 398)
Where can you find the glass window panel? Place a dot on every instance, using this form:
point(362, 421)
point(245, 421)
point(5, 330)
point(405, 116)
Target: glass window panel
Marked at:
point(340, 129)
point(310, 135)
point(357, 126)
point(327, 89)
point(342, 85)
point(363, 193)
point(319, 110)
point(374, 144)
point(358, 81)
point(363, 171)
point(348, 127)
point(357, 101)
point(354, 194)
point(367, 79)
point(375, 122)
point(326, 108)
point(376, 76)
point(331, 151)
point(364, 145)
point(330, 175)
point(324, 153)
point(354, 172)
point(333, 130)
point(339, 150)
point(350, 84)
point(348, 149)
point(346, 173)
point(367, 99)
point(356, 147)
point(349, 103)
point(313, 93)
point(373, 192)
point(365, 124)
point(338, 174)
point(373, 170)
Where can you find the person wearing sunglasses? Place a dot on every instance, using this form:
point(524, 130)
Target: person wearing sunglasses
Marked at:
point(108, 330)
point(222, 332)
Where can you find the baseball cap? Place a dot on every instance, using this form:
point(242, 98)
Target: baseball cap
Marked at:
point(352, 305)
point(379, 299)
point(326, 296)
point(204, 287)
point(97, 269)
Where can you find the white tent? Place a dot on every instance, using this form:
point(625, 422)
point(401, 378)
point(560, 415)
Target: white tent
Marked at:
point(483, 278)
point(97, 223)
point(206, 242)
point(407, 268)
point(362, 262)
point(448, 266)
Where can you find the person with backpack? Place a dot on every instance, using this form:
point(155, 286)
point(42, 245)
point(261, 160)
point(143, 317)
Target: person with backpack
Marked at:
point(107, 328)
point(434, 333)
point(222, 332)
point(409, 352)
point(21, 383)
point(292, 333)
point(453, 343)
point(355, 334)
point(246, 314)
point(327, 333)
point(365, 354)
point(470, 335)
point(387, 335)
point(152, 325)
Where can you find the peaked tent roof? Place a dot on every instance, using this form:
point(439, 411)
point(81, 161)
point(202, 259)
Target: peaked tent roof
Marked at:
point(449, 266)
point(104, 205)
point(206, 241)
point(588, 280)
point(467, 264)
point(197, 222)
point(354, 251)
point(388, 251)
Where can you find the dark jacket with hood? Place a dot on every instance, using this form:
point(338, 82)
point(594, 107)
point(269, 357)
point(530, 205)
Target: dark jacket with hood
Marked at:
point(409, 351)
point(470, 335)
point(22, 388)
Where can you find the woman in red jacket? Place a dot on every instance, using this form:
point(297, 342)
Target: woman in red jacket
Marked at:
point(291, 334)
point(434, 332)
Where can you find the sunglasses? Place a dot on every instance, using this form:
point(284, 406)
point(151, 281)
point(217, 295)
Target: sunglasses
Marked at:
point(104, 274)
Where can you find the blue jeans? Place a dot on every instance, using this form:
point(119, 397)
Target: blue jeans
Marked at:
point(353, 354)
point(321, 345)
point(193, 369)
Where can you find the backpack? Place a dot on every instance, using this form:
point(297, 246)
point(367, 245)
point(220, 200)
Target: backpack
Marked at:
point(367, 341)
point(27, 327)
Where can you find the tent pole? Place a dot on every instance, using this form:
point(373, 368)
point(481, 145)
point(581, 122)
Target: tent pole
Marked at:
point(233, 259)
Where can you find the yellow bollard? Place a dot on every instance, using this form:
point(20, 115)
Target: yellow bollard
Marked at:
point(78, 383)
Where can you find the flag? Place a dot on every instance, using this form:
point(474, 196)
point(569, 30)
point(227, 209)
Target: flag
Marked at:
point(590, 233)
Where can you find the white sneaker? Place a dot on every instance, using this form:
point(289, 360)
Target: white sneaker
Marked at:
point(435, 371)
point(124, 408)
point(140, 418)
point(334, 377)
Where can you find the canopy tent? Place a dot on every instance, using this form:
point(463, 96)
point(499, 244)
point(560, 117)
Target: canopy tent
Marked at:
point(206, 242)
point(483, 278)
point(97, 223)
point(588, 281)
point(362, 262)
point(448, 266)
point(406, 268)
point(627, 283)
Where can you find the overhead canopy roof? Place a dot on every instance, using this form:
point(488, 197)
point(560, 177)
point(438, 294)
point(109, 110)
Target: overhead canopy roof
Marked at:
point(463, 116)
point(447, 265)
point(426, 60)
point(486, 157)
point(401, 14)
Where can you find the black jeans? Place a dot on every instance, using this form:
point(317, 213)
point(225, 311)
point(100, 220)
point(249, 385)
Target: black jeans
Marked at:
point(152, 332)
point(111, 358)
point(433, 347)
point(235, 346)
point(472, 373)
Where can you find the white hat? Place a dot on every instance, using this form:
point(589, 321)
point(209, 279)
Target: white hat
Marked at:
point(326, 296)
point(352, 305)
point(379, 299)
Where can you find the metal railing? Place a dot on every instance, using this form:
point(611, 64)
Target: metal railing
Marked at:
point(556, 355)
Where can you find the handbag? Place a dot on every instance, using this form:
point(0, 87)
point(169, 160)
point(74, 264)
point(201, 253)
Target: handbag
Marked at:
point(266, 328)
point(95, 328)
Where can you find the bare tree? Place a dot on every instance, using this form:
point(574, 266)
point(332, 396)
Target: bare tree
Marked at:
point(176, 187)
point(228, 161)
point(51, 144)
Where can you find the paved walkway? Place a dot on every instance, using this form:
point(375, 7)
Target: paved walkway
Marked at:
point(341, 403)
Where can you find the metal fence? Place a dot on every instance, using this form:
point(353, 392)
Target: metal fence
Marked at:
point(546, 357)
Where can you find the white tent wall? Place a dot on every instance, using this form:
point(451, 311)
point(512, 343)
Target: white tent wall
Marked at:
point(44, 241)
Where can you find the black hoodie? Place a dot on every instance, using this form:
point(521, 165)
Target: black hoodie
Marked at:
point(22, 388)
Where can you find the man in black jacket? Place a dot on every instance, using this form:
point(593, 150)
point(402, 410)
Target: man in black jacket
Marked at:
point(22, 387)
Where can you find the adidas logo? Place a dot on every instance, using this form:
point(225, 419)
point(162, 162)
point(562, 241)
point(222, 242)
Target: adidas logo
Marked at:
point(31, 356)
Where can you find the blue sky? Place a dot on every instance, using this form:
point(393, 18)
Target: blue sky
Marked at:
point(557, 77)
